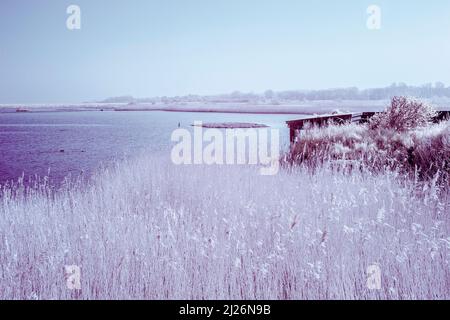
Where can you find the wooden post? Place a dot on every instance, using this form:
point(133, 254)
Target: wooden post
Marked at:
point(292, 134)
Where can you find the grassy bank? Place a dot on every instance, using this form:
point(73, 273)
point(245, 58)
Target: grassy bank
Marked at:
point(403, 138)
point(150, 230)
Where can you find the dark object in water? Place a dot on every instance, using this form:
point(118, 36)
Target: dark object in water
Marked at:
point(22, 110)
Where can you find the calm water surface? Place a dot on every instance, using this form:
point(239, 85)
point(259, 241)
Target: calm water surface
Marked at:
point(58, 144)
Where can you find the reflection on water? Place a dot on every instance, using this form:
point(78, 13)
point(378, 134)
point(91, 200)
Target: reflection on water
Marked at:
point(80, 142)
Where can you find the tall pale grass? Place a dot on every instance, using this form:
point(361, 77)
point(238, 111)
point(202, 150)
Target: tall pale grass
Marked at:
point(423, 152)
point(149, 230)
point(402, 138)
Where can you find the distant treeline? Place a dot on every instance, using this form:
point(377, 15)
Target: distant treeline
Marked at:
point(429, 90)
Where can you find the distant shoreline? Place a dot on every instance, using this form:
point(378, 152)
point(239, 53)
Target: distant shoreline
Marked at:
point(299, 107)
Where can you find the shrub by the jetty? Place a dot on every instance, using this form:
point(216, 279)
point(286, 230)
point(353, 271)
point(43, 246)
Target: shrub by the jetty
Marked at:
point(404, 114)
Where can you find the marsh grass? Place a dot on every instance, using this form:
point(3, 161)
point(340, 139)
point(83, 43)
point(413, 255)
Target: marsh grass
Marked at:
point(419, 152)
point(146, 229)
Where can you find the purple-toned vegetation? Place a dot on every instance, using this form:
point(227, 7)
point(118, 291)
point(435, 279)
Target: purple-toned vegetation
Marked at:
point(147, 229)
point(401, 138)
point(151, 230)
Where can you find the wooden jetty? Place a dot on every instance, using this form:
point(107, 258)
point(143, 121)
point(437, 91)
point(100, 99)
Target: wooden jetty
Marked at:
point(320, 121)
point(360, 117)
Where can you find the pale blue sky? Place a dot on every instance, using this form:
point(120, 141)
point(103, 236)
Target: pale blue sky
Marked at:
point(169, 47)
